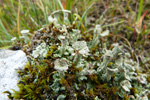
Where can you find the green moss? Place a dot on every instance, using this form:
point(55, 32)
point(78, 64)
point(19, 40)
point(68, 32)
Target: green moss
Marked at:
point(134, 91)
point(148, 78)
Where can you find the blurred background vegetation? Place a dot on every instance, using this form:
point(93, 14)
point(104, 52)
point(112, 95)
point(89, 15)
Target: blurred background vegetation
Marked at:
point(16, 15)
point(130, 19)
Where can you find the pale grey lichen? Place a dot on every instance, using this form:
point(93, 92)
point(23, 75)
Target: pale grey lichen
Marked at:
point(40, 51)
point(75, 35)
point(56, 83)
point(13, 39)
point(98, 31)
point(61, 65)
point(96, 98)
point(25, 35)
point(52, 20)
point(110, 72)
point(88, 70)
point(97, 34)
point(81, 47)
point(65, 13)
point(64, 29)
point(142, 78)
point(121, 67)
point(108, 57)
point(143, 95)
point(64, 43)
point(61, 97)
point(105, 33)
point(126, 85)
point(70, 49)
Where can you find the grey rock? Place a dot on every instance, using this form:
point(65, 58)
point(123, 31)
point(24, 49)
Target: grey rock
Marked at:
point(10, 61)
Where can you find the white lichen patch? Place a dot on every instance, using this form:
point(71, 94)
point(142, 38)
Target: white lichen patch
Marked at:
point(52, 20)
point(61, 65)
point(25, 35)
point(81, 47)
point(126, 85)
point(40, 51)
point(13, 39)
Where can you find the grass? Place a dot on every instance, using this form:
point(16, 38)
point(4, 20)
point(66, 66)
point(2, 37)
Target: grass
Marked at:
point(29, 14)
point(17, 15)
point(140, 10)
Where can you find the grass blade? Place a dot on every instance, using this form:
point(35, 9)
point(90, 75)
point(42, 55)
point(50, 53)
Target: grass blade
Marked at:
point(18, 14)
point(60, 4)
point(140, 10)
point(3, 30)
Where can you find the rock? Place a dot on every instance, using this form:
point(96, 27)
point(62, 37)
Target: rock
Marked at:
point(10, 61)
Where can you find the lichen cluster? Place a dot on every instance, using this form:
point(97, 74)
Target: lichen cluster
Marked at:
point(68, 64)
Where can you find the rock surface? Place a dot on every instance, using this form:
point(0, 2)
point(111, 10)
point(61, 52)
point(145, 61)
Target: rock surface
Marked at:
point(10, 61)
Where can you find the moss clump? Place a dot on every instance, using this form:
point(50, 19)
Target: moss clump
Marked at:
point(65, 63)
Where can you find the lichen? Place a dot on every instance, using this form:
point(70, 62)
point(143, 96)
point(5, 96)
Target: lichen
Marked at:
point(65, 63)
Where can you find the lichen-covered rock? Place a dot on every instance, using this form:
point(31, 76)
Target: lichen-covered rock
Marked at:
point(10, 61)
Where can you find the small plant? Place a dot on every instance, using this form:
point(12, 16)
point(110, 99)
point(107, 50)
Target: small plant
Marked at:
point(66, 63)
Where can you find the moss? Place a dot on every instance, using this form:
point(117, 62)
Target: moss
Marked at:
point(148, 78)
point(134, 91)
point(85, 69)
